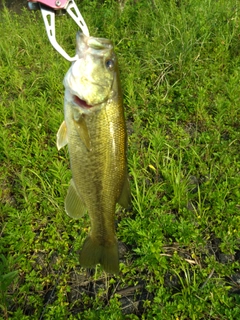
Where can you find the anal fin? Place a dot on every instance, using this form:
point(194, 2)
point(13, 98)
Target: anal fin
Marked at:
point(74, 205)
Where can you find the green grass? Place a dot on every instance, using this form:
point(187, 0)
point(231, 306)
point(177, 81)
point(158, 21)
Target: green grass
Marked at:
point(180, 72)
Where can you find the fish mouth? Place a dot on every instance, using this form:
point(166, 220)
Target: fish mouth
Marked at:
point(81, 103)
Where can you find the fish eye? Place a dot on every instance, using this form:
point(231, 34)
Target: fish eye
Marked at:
point(109, 64)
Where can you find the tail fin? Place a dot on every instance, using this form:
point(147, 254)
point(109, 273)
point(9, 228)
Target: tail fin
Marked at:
point(93, 253)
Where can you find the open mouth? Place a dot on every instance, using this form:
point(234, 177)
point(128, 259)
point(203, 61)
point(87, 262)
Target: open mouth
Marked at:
point(81, 103)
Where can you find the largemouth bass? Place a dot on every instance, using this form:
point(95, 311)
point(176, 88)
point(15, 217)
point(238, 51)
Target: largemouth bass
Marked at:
point(94, 129)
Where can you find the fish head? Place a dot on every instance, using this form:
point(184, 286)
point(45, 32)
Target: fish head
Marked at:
point(89, 81)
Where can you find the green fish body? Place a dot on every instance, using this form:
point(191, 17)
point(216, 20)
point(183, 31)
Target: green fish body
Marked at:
point(94, 129)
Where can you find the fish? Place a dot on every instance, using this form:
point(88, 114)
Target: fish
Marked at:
point(94, 129)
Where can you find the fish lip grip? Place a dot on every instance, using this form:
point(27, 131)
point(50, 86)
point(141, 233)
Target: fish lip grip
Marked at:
point(48, 9)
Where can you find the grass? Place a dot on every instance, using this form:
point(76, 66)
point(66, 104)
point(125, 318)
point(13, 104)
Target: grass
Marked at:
point(180, 241)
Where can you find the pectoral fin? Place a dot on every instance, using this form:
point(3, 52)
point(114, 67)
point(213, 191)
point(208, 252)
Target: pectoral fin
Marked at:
point(62, 136)
point(74, 206)
point(82, 130)
point(125, 197)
